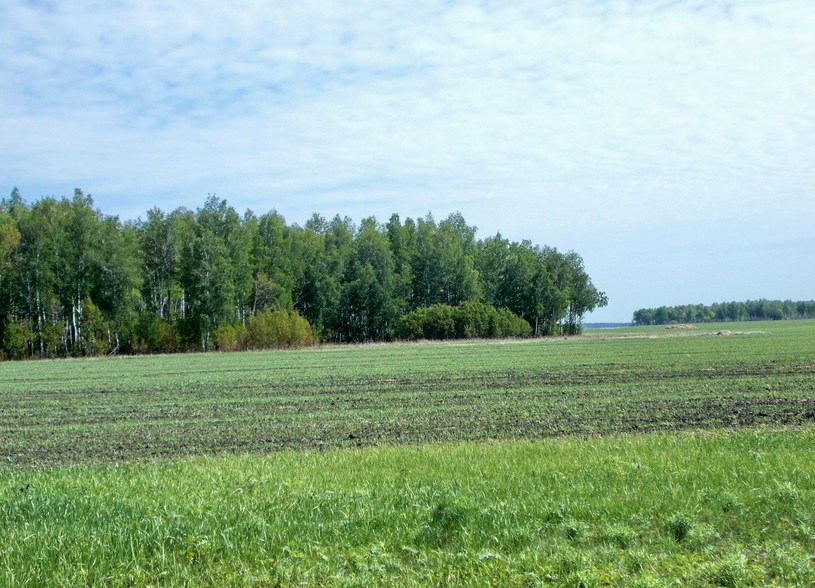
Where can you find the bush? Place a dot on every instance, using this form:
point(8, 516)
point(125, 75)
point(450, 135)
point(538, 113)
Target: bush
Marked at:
point(506, 324)
point(440, 322)
point(51, 337)
point(473, 319)
point(18, 340)
point(95, 330)
point(278, 328)
point(230, 337)
point(467, 321)
point(153, 335)
point(410, 327)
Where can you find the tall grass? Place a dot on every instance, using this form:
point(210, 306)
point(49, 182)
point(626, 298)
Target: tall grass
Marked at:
point(723, 509)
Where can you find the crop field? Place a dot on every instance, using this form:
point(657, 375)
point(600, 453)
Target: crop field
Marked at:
point(107, 410)
point(630, 457)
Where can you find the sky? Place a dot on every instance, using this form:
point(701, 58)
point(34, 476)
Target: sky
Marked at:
point(670, 143)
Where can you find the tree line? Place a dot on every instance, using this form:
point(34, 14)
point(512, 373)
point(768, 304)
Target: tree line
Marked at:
point(751, 310)
point(74, 281)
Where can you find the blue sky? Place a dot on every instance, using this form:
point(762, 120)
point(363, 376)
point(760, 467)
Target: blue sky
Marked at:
point(670, 143)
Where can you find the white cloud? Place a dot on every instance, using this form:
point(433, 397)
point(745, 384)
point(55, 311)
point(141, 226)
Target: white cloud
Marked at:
point(543, 120)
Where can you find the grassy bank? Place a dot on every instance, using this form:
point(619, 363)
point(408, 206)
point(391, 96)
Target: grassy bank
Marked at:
point(719, 508)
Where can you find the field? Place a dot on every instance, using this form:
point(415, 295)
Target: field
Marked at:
point(629, 457)
point(74, 411)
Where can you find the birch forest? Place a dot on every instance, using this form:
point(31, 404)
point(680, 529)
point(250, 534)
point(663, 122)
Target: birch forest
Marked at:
point(77, 282)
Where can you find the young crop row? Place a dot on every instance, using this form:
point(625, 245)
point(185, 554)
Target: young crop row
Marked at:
point(72, 411)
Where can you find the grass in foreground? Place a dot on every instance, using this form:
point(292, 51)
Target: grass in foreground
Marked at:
point(120, 409)
point(696, 509)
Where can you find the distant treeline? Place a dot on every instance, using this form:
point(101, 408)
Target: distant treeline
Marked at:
point(74, 281)
point(752, 310)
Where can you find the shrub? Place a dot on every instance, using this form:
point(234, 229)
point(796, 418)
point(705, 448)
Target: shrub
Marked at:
point(410, 327)
point(51, 337)
point(507, 324)
point(473, 320)
point(18, 339)
point(154, 335)
point(230, 337)
point(466, 321)
point(440, 322)
point(95, 330)
point(278, 328)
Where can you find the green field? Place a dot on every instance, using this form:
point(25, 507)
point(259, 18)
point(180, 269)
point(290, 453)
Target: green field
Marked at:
point(356, 466)
point(65, 411)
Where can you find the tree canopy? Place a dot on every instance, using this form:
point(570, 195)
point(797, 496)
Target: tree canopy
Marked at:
point(751, 310)
point(74, 281)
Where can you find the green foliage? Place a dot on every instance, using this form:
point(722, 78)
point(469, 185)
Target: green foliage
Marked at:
point(549, 289)
point(444, 525)
point(50, 339)
point(9, 241)
point(18, 340)
point(154, 335)
point(679, 526)
point(752, 310)
point(505, 324)
point(269, 329)
point(275, 329)
point(422, 515)
point(230, 337)
point(88, 284)
point(95, 331)
point(211, 267)
point(477, 320)
point(434, 322)
point(469, 320)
